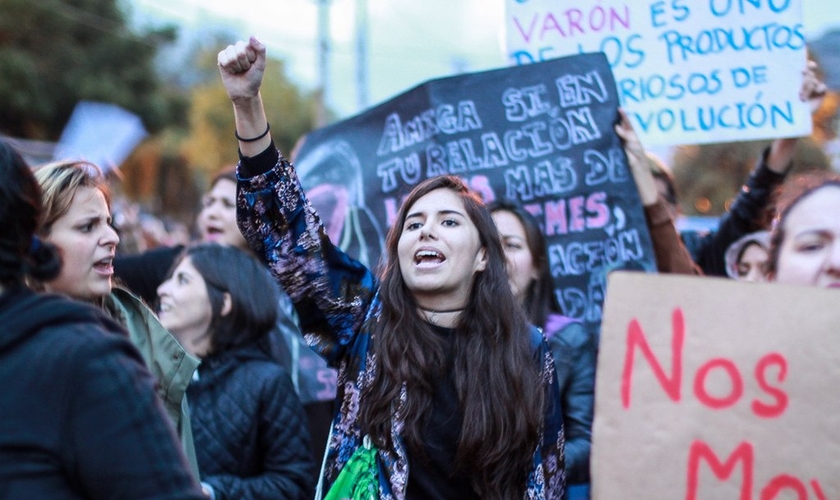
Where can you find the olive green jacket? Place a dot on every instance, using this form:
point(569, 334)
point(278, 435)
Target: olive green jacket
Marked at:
point(169, 363)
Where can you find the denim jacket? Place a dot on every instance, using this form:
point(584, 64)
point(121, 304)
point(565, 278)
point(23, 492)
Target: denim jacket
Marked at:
point(575, 352)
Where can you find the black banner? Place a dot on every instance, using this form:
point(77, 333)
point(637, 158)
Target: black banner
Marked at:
point(540, 134)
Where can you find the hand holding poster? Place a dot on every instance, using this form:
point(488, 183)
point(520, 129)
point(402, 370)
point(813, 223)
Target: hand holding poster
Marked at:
point(710, 388)
point(688, 72)
point(541, 135)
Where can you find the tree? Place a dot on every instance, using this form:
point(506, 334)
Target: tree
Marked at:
point(54, 53)
point(709, 176)
point(168, 172)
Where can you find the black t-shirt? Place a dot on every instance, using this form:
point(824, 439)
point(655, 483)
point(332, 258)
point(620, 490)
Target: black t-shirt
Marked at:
point(432, 477)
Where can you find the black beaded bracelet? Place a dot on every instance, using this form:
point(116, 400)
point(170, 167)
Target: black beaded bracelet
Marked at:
point(267, 128)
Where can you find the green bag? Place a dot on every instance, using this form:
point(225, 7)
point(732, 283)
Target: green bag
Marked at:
point(359, 479)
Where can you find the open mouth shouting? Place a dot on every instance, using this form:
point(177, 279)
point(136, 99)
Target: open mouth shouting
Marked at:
point(428, 258)
point(104, 266)
point(213, 232)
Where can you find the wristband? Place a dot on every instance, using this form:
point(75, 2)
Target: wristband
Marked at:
point(252, 139)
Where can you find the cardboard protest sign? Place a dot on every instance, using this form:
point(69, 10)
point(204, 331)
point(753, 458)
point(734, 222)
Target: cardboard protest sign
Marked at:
point(687, 72)
point(713, 389)
point(541, 135)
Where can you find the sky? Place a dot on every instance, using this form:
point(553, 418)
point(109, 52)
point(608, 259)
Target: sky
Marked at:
point(408, 41)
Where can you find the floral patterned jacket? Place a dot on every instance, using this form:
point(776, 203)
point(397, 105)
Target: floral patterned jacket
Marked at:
point(337, 302)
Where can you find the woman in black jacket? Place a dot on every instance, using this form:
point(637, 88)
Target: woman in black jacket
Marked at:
point(573, 347)
point(249, 427)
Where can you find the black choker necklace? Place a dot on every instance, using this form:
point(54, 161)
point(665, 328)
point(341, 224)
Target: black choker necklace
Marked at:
point(435, 312)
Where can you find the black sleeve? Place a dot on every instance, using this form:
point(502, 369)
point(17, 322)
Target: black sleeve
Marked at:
point(747, 214)
point(259, 164)
point(575, 352)
point(143, 273)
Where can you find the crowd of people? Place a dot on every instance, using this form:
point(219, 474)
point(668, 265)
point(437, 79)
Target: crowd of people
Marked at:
point(177, 372)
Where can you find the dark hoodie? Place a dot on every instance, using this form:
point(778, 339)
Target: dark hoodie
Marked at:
point(79, 417)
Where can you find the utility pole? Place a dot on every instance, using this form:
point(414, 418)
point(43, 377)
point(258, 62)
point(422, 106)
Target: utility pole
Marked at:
point(362, 98)
point(323, 62)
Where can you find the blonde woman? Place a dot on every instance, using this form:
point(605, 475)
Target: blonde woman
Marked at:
point(77, 220)
point(80, 415)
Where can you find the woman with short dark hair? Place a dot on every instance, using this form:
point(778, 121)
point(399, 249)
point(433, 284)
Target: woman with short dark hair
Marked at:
point(250, 431)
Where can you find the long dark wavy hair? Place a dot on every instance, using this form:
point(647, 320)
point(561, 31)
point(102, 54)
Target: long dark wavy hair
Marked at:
point(22, 255)
point(540, 300)
point(495, 371)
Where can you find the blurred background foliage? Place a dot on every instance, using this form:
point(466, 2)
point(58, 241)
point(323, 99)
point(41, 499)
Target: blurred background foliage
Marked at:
point(55, 53)
point(709, 176)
